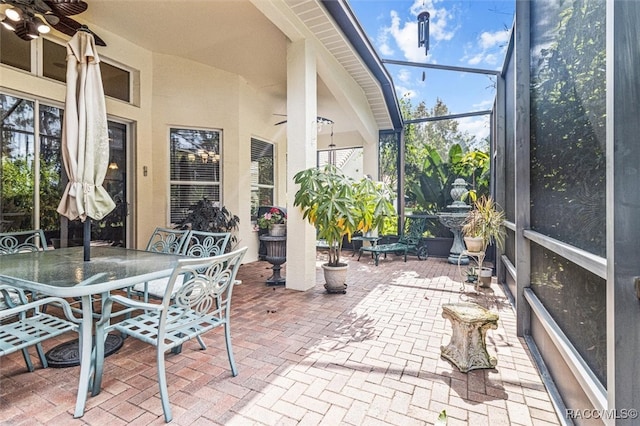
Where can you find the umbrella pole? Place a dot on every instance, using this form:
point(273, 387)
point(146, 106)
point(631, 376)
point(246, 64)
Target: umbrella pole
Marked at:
point(87, 239)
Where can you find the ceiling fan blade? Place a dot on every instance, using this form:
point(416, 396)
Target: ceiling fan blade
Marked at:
point(41, 6)
point(69, 26)
point(67, 7)
point(98, 40)
point(51, 18)
point(66, 25)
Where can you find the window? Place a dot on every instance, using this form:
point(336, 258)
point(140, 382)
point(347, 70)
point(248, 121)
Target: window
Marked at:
point(13, 51)
point(116, 81)
point(194, 169)
point(261, 176)
point(54, 60)
point(17, 53)
point(17, 155)
point(31, 129)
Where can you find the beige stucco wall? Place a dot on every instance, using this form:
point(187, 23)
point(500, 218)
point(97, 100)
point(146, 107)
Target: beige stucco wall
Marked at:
point(188, 94)
point(174, 92)
point(170, 91)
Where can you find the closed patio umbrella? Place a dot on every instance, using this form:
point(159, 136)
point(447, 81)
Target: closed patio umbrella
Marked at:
point(85, 137)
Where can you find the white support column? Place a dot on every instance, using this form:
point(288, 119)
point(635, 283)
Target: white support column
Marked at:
point(302, 136)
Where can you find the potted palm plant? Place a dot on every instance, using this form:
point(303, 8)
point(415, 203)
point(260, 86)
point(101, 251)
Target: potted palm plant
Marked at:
point(484, 224)
point(338, 206)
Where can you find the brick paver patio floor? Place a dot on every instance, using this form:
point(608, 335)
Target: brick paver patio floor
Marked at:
point(369, 357)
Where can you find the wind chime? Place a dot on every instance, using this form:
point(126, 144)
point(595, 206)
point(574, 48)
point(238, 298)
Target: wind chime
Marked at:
point(423, 34)
point(423, 31)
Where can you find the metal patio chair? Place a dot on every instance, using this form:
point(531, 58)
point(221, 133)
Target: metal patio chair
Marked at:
point(201, 304)
point(196, 244)
point(23, 324)
point(167, 240)
point(163, 240)
point(206, 244)
point(410, 242)
point(22, 241)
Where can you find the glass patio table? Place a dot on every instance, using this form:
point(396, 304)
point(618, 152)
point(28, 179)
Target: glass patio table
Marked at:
point(64, 273)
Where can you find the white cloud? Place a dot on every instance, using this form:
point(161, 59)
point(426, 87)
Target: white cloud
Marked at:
point(475, 126)
point(475, 60)
point(485, 104)
point(404, 75)
point(485, 48)
point(490, 40)
point(385, 49)
point(405, 92)
point(383, 43)
point(405, 34)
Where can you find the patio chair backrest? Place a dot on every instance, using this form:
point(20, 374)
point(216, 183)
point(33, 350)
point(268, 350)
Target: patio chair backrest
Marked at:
point(413, 230)
point(205, 293)
point(206, 244)
point(167, 240)
point(22, 241)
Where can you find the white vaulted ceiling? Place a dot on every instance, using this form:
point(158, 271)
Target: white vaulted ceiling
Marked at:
point(248, 38)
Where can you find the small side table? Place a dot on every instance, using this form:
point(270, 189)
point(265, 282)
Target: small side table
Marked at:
point(276, 255)
point(467, 349)
point(478, 256)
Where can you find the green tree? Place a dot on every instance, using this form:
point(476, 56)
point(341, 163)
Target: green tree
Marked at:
point(436, 152)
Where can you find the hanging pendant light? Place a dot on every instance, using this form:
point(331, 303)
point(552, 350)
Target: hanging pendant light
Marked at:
point(332, 149)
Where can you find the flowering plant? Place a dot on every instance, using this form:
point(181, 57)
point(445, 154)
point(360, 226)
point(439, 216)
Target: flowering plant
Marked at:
point(270, 218)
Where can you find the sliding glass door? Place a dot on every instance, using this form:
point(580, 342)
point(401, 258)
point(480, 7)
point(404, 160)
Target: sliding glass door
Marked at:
point(32, 176)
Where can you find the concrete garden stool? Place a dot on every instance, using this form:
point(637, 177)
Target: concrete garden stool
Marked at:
point(467, 348)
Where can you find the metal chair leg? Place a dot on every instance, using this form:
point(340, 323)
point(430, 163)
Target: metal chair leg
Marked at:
point(162, 381)
point(227, 339)
point(27, 359)
point(43, 359)
point(202, 345)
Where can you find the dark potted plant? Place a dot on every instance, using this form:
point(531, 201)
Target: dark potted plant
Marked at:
point(206, 216)
point(338, 206)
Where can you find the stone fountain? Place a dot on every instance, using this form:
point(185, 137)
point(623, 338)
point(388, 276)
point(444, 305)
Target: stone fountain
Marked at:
point(453, 219)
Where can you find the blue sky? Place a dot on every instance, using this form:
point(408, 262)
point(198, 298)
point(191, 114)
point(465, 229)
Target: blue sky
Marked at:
point(471, 33)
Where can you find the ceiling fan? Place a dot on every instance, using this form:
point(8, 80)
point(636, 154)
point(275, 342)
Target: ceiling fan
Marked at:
point(28, 19)
point(320, 121)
